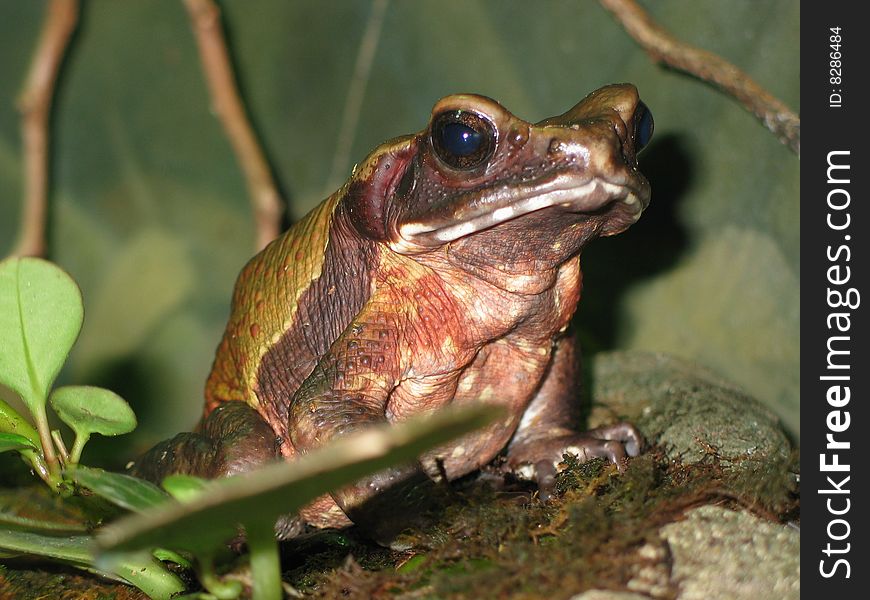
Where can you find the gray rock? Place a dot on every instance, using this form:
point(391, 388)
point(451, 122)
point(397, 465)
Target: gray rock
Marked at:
point(734, 555)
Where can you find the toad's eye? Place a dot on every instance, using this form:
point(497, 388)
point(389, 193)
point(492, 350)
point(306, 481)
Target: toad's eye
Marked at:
point(643, 127)
point(462, 140)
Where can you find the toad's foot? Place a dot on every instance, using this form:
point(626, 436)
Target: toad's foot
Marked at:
point(538, 459)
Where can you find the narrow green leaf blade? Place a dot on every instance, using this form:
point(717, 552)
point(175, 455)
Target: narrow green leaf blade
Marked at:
point(13, 441)
point(143, 571)
point(40, 318)
point(184, 488)
point(149, 575)
point(122, 490)
point(11, 521)
point(69, 548)
point(88, 409)
point(259, 498)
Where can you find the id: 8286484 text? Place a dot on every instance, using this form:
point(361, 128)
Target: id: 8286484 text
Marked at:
point(835, 71)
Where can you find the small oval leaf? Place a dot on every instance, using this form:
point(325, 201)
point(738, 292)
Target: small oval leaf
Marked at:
point(125, 491)
point(88, 409)
point(40, 318)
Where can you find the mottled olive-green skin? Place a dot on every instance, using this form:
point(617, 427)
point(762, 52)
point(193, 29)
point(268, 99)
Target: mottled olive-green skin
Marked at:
point(400, 294)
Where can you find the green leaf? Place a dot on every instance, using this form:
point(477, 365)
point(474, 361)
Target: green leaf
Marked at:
point(144, 571)
point(40, 318)
point(87, 409)
point(13, 441)
point(92, 409)
point(184, 488)
point(38, 525)
point(71, 548)
point(165, 555)
point(257, 499)
point(12, 422)
point(122, 490)
point(149, 575)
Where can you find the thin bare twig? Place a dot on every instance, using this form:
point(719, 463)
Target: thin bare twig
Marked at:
point(34, 104)
point(353, 101)
point(265, 199)
point(664, 48)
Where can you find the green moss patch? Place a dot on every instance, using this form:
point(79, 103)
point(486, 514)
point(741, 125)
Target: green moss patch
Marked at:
point(493, 543)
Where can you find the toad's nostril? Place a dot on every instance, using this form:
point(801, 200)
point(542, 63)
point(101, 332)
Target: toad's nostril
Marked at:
point(518, 135)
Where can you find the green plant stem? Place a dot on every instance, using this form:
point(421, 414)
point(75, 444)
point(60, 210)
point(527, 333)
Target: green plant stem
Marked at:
point(223, 590)
point(78, 445)
point(265, 562)
point(61, 447)
point(38, 409)
point(37, 463)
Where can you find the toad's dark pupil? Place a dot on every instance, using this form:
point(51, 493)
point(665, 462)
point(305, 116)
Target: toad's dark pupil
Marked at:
point(643, 127)
point(460, 140)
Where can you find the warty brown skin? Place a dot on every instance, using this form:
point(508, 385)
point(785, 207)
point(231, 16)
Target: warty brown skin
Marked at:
point(433, 277)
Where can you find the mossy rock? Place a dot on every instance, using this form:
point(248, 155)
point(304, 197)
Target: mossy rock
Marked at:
point(685, 408)
point(694, 416)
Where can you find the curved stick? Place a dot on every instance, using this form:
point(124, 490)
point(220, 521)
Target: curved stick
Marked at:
point(668, 50)
point(265, 199)
point(34, 104)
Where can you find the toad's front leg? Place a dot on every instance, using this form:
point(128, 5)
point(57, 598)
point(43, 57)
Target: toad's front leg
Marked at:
point(349, 390)
point(547, 430)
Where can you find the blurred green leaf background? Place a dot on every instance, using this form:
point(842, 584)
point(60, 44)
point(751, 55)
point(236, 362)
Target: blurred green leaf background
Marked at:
point(149, 211)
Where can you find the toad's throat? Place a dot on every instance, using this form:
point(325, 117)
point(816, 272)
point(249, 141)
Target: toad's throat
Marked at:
point(563, 192)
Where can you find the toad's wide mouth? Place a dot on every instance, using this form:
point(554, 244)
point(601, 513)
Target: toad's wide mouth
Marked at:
point(562, 191)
